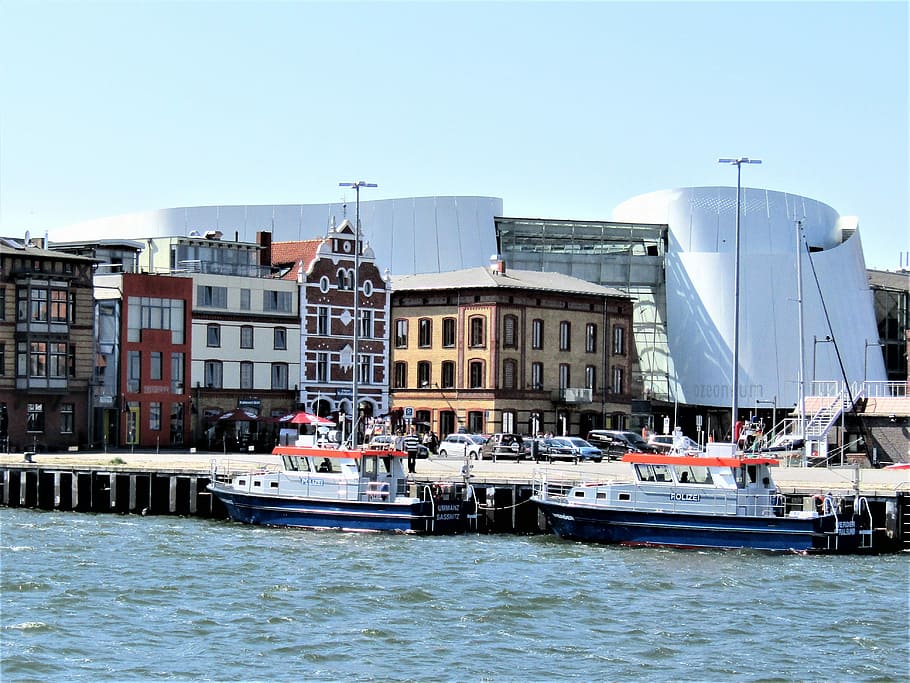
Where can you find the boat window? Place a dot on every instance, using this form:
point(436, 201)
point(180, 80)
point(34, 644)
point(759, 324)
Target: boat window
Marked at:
point(294, 463)
point(274, 484)
point(601, 495)
point(625, 496)
point(652, 472)
point(692, 475)
point(579, 494)
point(325, 466)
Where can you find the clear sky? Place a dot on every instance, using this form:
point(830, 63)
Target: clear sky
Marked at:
point(563, 110)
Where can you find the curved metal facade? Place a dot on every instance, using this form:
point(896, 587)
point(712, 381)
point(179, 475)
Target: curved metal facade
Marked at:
point(699, 286)
point(409, 235)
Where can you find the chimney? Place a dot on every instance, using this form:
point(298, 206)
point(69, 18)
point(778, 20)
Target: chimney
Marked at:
point(497, 265)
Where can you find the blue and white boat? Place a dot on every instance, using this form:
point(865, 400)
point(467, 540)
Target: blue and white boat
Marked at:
point(354, 489)
point(717, 500)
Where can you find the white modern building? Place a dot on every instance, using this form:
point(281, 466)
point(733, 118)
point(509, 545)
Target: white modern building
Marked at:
point(839, 328)
point(408, 235)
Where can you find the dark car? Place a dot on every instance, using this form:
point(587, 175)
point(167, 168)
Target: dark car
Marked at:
point(503, 445)
point(568, 448)
point(616, 443)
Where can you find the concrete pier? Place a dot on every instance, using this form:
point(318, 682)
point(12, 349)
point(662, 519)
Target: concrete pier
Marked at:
point(174, 483)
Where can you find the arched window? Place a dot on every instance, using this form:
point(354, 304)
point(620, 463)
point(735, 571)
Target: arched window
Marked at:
point(447, 379)
point(509, 373)
point(424, 333)
point(424, 378)
point(510, 332)
point(477, 327)
point(475, 374)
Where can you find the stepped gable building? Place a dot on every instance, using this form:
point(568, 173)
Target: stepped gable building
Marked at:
point(46, 347)
point(325, 272)
point(490, 349)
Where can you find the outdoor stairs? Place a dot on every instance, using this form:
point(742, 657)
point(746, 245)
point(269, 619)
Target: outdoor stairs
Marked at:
point(826, 414)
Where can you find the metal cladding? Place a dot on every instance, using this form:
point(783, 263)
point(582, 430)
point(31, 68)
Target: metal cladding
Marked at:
point(408, 235)
point(699, 286)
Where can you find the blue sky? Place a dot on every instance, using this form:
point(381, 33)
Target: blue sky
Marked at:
point(563, 110)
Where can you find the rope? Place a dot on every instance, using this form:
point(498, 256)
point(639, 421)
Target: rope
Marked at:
point(507, 507)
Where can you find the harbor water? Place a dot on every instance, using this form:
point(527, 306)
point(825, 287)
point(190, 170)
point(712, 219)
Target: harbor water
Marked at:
point(128, 598)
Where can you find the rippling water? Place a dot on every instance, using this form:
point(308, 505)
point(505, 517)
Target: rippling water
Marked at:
point(87, 597)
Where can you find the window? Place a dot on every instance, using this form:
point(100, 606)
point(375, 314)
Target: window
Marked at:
point(322, 367)
point(424, 333)
point(213, 374)
point(324, 284)
point(155, 416)
point(508, 422)
point(366, 323)
point(212, 297)
point(423, 374)
point(564, 382)
point(276, 301)
point(365, 367)
point(477, 333)
point(177, 372)
point(2, 359)
point(213, 335)
point(537, 333)
point(72, 360)
point(67, 418)
point(2, 303)
point(475, 374)
point(245, 300)
point(133, 371)
point(72, 308)
point(617, 380)
point(475, 421)
point(510, 332)
point(246, 374)
point(591, 377)
point(565, 336)
point(619, 341)
point(281, 339)
point(509, 374)
point(155, 369)
point(34, 419)
point(401, 333)
point(59, 359)
point(590, 338)
point(279, 376)
point(152, 313)
point(246, 337)
point(322, 321)
point(448, 332)
point(537, 376)
point(447, 378)
point(59, 305)
point(400, 375)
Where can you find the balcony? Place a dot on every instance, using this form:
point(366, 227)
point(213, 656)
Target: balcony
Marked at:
point(573, 395)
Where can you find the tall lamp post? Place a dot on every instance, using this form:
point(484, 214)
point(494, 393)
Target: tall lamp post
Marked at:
point(356, 363)
point(738, 162)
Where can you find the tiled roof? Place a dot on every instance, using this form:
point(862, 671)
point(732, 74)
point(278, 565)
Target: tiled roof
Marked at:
point(479, 278)
point(291, 254)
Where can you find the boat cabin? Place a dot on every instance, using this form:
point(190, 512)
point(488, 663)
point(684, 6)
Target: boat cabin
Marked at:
point(710, 485)
point(334, 474)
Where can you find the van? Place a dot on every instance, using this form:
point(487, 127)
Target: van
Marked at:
point(616, 443)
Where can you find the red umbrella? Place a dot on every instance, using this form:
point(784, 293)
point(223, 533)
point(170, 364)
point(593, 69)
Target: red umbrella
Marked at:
point(301, 417)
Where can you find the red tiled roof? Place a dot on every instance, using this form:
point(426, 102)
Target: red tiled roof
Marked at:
point(290, 254)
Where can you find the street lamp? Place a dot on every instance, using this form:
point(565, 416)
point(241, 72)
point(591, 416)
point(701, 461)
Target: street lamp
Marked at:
point(356, 364)
point(815, 342)
point(738, 162)
point(773, 403)
point(866, 357)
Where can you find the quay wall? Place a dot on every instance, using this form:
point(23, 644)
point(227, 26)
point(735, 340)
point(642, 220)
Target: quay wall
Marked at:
point(175, 484)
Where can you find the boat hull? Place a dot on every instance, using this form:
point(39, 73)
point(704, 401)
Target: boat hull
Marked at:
point(404, 517)
point(630, 527)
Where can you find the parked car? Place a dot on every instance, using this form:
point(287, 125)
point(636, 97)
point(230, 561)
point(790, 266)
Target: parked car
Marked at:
point(666, 442)
point(616, 443)
point(459, 445)
point(569, 448)
point(387, 441)
point(503, 445)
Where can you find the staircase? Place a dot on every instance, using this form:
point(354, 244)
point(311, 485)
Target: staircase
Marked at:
point(827, 414)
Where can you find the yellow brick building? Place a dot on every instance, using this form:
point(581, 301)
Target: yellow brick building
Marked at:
point(488, 350)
